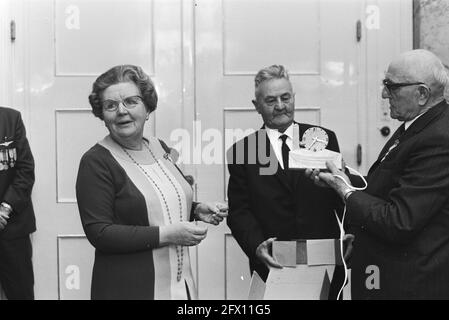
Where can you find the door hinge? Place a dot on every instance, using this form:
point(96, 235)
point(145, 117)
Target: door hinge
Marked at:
point(358, 32)
point(13, 30)
point(359, 154)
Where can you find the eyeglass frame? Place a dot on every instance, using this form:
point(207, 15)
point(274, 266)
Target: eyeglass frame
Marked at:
point(390, 85)
point(122, 101)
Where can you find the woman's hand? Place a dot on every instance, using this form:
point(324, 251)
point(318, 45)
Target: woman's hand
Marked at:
point(181, 234)
point(211, 212)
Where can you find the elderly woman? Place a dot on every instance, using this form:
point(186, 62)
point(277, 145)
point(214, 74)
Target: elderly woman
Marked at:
point(135, 205)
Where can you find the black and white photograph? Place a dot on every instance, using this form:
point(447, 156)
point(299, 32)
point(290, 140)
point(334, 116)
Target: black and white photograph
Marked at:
point(234, 152)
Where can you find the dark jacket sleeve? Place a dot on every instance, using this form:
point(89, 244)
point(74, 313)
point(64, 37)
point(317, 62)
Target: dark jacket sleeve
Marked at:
point(241, 220)
point(421, 194)
point(95, 191)
point(356, 180)
point(18, 193)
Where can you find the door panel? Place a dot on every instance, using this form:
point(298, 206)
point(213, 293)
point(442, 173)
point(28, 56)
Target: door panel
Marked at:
point(91, 36)
point(237, 273)
point(75, 261)
point(72, 140)
point(294, 41)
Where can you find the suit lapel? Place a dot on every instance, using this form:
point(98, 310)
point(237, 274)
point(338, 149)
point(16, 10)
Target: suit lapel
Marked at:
point(384, 150)
point(390, 142)
point(280, 174)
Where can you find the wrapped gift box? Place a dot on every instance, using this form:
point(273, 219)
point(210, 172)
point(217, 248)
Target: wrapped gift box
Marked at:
point(308, 267)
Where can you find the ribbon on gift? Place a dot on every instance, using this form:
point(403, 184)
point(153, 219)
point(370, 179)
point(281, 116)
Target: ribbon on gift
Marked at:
point(311, 252)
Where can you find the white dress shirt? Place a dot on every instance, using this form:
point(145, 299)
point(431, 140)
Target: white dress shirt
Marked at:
point(409, 123)
point(276, 143)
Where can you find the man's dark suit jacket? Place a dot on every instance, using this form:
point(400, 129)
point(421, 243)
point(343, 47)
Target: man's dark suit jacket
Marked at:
point(279, 205)
point(16, 176)
point(402, 219)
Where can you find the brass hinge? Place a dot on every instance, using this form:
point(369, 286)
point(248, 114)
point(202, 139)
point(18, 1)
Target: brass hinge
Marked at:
point(13, 30)
point(359, 154)
point(358, 32)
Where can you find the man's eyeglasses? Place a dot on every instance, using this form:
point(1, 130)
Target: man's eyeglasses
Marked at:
point(391, 86)
point(128, 103)
point(271, 101)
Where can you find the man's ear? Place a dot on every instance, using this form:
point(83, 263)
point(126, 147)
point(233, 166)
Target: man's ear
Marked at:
point(424, 95)
point(424, 92)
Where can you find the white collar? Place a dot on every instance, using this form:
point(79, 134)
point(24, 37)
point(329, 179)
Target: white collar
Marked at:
point(407, 124)
point(274, 134)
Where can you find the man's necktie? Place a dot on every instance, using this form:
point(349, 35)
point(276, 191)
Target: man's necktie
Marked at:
point(285, 150)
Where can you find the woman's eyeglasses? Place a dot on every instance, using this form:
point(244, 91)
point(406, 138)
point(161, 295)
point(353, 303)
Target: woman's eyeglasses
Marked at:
point(128, 103)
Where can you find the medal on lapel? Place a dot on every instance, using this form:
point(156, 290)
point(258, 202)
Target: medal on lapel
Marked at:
point(3, 165)
point(8, 155)
point(395, 144)
point(12, 157)
point(172, 156)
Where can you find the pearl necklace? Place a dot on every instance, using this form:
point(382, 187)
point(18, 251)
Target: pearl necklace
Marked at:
point(179, 249)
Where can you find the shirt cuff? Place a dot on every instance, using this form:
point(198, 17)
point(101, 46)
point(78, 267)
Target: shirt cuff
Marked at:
point(7, 206)
point(192, 211)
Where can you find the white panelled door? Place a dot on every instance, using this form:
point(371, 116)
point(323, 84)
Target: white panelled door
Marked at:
point(316, 42)
point(68, 44)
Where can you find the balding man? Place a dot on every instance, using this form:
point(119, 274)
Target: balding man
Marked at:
point(401, 247)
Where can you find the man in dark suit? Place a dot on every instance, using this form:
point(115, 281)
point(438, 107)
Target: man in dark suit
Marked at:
point(17, 219)
point(266, 199)
point(401, 246)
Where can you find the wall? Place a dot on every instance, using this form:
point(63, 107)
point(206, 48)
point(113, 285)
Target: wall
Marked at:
point(431, 28)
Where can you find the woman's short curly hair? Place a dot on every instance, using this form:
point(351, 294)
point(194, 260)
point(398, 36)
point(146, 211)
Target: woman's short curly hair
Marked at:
point(118, 74)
